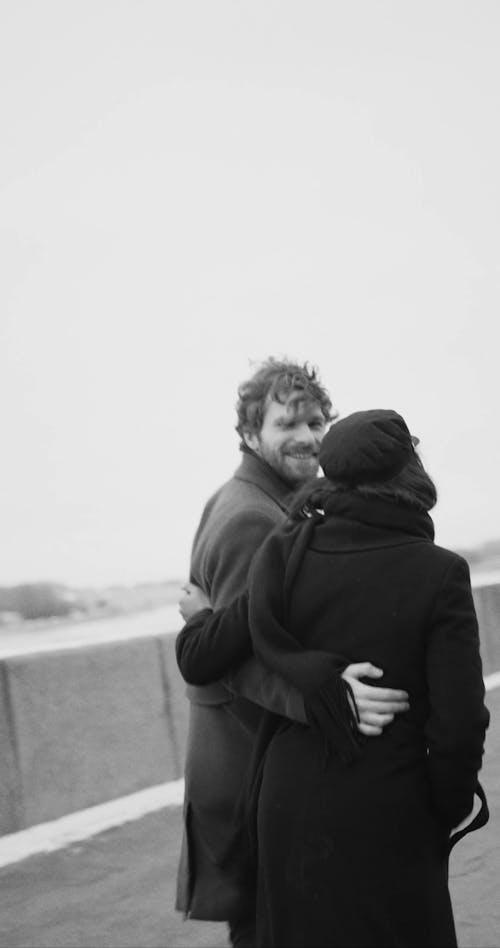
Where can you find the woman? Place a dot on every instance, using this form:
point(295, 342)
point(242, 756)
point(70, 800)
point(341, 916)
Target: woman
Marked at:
point(354, 838)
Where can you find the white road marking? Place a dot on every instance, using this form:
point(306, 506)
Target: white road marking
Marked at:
point(46, 837)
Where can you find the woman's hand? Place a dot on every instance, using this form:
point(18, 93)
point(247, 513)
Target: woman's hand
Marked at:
point(376, 706)
point(192, 601)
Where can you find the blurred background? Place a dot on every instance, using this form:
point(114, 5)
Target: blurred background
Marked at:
point(187, 188)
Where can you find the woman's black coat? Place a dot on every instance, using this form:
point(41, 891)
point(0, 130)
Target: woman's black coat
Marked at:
point(358, 854)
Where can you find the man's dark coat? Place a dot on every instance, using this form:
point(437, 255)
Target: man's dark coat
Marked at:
point(222, 728)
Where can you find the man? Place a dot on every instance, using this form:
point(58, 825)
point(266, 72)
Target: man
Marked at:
point(283, 414)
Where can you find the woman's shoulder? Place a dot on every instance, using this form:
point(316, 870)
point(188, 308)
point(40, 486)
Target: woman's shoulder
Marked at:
point(451, 565)
point(445, 555)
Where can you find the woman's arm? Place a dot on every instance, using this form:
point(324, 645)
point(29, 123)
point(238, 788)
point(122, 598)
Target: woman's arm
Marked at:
point(458, 718)
point(211, 643)
point(215, 645)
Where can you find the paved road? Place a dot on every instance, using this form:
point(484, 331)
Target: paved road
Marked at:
point(117, 890)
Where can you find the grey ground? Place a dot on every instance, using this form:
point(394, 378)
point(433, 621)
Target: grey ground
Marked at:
point(117, 889)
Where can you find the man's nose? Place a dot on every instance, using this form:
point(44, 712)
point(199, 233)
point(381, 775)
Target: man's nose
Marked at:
point(304, 435)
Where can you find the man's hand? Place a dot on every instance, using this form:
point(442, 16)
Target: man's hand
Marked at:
point(376, 706)
point(192, 601)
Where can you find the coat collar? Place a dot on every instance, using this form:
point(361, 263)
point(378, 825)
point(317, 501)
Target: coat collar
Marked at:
point(255, 471)
point(353, 522)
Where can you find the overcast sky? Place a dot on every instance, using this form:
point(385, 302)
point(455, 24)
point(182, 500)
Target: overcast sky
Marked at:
point(189, 186)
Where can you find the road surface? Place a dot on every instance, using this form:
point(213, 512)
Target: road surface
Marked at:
point(116, 890)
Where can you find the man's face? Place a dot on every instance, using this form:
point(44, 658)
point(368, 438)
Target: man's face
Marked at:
point(290, 438)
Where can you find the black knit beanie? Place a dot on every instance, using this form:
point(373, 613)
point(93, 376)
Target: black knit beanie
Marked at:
point(366, 446)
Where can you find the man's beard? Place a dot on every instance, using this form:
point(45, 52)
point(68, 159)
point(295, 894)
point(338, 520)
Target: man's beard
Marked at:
point(294, 471)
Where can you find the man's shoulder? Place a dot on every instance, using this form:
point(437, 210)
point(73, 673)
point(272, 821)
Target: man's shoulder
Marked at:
point(237, 508)
point(238, 516)
point(241, 497)
point(234, 524)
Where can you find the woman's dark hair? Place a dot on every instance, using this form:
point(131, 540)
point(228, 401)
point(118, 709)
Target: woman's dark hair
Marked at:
point(277, 381)
point(412, 487)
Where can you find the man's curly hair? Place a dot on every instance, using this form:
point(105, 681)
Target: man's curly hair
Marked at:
point(277, 380)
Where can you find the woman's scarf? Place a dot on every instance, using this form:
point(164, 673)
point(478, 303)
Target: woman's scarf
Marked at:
point(328, 699)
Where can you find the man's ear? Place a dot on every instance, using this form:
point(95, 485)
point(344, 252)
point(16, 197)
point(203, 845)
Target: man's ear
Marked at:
point(251, 440)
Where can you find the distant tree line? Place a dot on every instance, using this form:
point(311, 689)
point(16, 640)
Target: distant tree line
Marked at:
point(34, 601)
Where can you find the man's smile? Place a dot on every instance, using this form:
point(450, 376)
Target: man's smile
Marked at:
point(301, 455)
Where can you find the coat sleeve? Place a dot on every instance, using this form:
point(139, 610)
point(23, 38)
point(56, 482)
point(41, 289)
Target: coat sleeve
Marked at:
point(212, 642)
point(252, 680)
point(458, 718)
point(213, 645)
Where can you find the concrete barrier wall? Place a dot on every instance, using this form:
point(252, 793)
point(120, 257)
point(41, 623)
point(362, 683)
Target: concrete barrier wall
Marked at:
point(9, 774)
point(82, 726)
point(487, 603)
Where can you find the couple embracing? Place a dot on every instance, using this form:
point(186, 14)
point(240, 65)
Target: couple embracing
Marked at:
point(336, 694)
